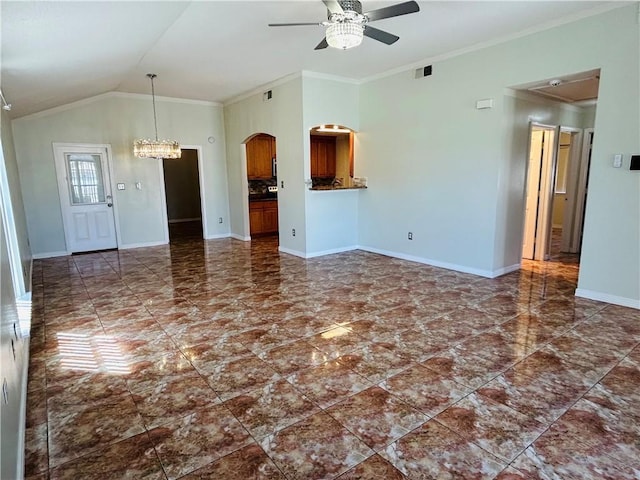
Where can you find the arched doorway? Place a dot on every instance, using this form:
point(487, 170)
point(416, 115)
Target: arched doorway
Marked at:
point(262, 185)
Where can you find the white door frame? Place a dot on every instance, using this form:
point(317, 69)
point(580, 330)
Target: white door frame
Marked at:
point(571, 185)
point(528, 230)
point(8, 219)
point(546, 184)
point(109, 156)
point(576, 233)
point(246, 225)
point(549, 189)
point(203, 203)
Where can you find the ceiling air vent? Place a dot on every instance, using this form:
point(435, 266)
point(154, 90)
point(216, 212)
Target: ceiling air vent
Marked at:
point(423, 71)
point(268, 95)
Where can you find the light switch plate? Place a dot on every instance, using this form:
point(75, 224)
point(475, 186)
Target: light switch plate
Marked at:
point(617, 160)
point(120, 186)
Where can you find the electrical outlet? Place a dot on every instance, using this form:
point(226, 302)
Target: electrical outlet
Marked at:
point(219, 219)
point(293, 232)
point(410, 235)
point(281, 183)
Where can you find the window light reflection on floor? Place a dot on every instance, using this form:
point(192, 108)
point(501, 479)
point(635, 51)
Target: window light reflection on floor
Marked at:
point(335, 332)
point(91, 353)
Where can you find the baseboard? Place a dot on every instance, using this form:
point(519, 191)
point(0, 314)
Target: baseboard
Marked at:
point(184, 220)
point(292, 252)
point(433, 263)
point(239, 237)
point(503, 271)
point(331, 251)
point(39, 256)
point(128, 246)
point(216, 236)
point(608, 298)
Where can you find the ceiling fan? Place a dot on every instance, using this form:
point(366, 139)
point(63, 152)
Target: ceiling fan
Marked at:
point(346, 24)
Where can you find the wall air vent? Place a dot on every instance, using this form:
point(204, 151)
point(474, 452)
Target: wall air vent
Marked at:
point(423, 71)
point(268, 95)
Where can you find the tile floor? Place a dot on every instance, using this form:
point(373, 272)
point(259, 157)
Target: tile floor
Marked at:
point(226, 360)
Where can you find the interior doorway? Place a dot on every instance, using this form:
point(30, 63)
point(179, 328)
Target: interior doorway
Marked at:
point(558, 167)
point(579, 183)
point(262, 182)
point(183, 196)
point(556, 193)
point(564, 190)
point(539, 199)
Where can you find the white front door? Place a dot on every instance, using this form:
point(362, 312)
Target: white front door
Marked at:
point(85, 196)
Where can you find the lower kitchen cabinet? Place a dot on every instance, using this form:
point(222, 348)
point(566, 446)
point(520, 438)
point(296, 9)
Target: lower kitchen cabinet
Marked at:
point(263, 217)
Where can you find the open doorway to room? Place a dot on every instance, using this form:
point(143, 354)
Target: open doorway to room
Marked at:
point(262, 183)
point(557, 172)
point(182, 191)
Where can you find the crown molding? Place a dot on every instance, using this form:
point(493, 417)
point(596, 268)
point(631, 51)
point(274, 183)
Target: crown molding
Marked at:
point(328, 76)
point(497, 41)
point(262, 88)
point(102, 96)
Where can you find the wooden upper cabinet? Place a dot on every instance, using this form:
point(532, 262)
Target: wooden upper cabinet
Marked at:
point(260, 155)
point(323, 156)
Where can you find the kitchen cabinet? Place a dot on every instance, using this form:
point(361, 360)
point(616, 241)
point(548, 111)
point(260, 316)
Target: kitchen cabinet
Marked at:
point(263, 217)
point(261, 152)
point(323, 156)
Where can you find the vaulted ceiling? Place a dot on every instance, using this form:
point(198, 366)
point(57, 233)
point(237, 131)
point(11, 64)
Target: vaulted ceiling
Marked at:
point(57, 52)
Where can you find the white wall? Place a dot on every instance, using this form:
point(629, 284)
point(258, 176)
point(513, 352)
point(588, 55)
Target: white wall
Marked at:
point(119, 119)
point(13, 177)
point(332, 216)
point(281, 117)
point(13, 369)
point(424, 142)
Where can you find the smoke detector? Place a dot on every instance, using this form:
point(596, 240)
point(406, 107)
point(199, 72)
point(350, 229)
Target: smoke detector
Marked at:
point(555, 82)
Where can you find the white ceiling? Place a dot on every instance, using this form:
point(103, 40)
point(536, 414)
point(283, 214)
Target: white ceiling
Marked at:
point(57, 52)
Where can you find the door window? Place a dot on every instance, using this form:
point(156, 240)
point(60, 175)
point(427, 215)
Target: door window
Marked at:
point(85, 178)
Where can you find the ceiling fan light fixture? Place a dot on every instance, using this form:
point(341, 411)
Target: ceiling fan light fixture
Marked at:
point(344, 35)
point(156, 148)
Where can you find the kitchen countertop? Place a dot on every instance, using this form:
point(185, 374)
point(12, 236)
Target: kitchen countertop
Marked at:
point(323, 188)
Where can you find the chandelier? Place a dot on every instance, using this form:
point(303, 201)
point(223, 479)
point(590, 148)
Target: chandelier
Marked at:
point(155, 148)
point(344, 35)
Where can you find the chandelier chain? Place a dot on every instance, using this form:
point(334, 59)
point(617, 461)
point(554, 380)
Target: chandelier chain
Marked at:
point(153, 98)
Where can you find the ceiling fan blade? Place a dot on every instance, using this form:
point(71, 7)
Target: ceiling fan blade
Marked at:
point(293, 24)
point(380, 35)
point(322, 44)
point(392, 11)
point(333, 6)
